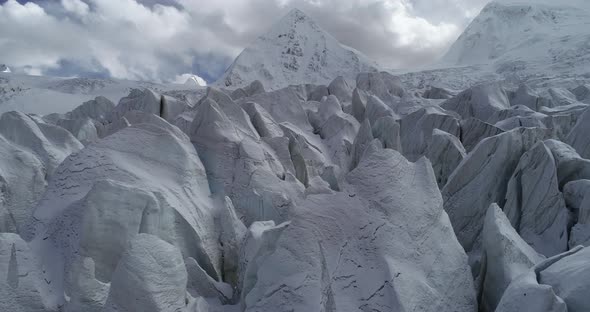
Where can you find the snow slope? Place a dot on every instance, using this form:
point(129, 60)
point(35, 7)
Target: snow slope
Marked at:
point(535, 36)
point(295, 51)
point(541, 42)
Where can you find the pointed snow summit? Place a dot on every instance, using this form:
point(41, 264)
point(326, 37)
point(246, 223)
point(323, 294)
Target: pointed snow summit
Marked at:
point(295, 51)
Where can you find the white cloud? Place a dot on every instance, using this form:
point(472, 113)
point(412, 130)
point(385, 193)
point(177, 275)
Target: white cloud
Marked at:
point(160, 39)
point(75, 6)
point(15, 10)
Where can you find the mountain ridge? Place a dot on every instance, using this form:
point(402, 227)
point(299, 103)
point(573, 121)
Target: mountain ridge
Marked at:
point(534, 35)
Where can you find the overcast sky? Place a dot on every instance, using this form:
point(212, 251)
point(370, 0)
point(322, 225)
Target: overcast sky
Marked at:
point(160, 40)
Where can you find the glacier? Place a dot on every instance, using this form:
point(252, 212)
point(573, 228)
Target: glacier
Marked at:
point(310, 178)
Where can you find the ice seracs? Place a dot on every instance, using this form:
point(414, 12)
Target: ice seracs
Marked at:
point(481, 101)
point(578, 138)
point(384, 85)
point(417, 128)
point(306, 180)
point(243, 166)
point(576, 194)
point(341, 89)
point(506, 257)
point(30, 151)
point(474, 131)
point(137, 283)
point(481, 179)
point(337, 253)
point(569, 279)
point(528, 97)
point(582, 93)
point(534, 204)
point(445, 152)
point(387, 130)
point(556, 284)
point(20, 277)
point(150, 189)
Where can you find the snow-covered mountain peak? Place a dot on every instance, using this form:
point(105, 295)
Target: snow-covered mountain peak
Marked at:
point(295, 20)
point(538, 35)
point(296, 16)
point(295, 50)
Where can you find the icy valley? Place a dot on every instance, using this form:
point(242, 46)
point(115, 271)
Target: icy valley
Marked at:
point(310, 178)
